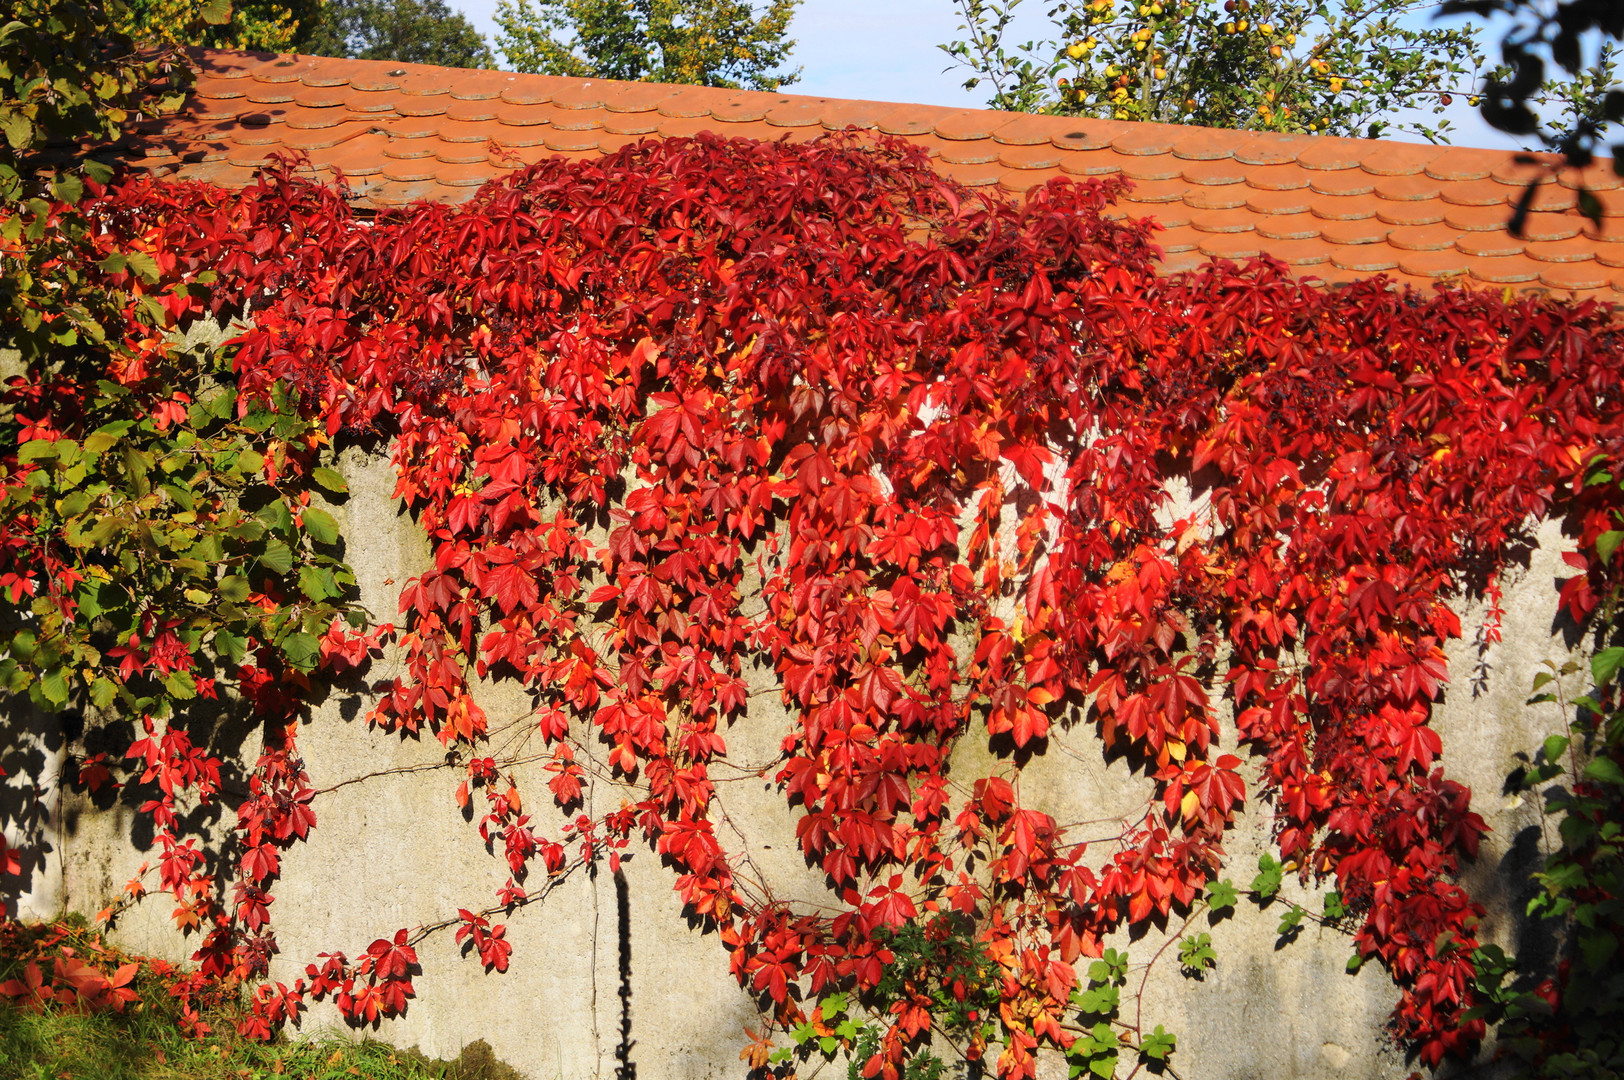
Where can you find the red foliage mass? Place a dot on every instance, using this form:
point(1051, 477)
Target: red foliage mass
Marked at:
point(913, 446)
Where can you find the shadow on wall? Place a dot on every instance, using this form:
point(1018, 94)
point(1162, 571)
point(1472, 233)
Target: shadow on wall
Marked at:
point(32, 748)
point(44, 805)
point(625, 1067)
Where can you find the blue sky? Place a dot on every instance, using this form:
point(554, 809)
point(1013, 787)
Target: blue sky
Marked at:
point(886, 50)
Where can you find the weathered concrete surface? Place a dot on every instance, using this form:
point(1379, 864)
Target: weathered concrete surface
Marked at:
point(391, 849)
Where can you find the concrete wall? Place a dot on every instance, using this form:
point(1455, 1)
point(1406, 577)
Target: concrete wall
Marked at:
point(393, 850)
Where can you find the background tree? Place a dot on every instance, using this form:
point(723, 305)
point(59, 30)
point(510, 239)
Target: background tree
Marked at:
point(1345, 67)
point(410, 31)
point(259, 25)
point(705, 42)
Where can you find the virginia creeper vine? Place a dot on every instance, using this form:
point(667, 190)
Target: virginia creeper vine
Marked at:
point(704, 406)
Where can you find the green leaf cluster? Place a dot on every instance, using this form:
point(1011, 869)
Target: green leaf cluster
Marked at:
point(155, 523)
point(942, 959)
point(1104, 1039)
point(1196, 955)
point(1568, 1020)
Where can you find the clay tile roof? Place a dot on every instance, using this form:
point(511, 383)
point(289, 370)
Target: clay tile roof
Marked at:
point(1335, 208)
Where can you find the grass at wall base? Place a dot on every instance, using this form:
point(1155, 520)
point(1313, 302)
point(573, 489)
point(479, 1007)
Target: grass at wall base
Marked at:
point(133, 1031)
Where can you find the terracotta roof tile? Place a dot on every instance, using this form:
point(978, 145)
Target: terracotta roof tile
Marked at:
point(684, 105)
point(1365, 258)
point(1223, 220)
point(1146, 140)
point(1290, 227)
point(673, 127)
point(1282, 177)
point(1344, 182)
point(1597, 176)
point(1506, 270)
point(1214, 172)
point(1245, 245)
point(571, 140)
point(1334, 154)
point(1355, 233)
point(526, 95)
point(1489, 245)
point(1178, 238)
point(968, 124)
point(1460, 163)
point(1205, 144)
point(1443, 263)
point(1157, 191)
point(410, 149)
point(974, 175)
point(1341, 208)
point(481, 86)
point(1306, 252)
point(1575, 248)
point(1171, 215)
point(1086, 135)
point(319, 97)
point(1574, 277)
point(1091, 165)
point(858, 115)
point(1337, 209)
point(470, 132)
point(1019, 181)
point(1422, 238)
point(1279, 202)
point(1401, 159)
point(1229, 197)
point(1030, 156)
point(1610, 254)
point(983, 152)
point(1025, 131)
point(472, 111)
point(1271, 149)
point(1551, 226)
point(1519, 170)
point(631, 97)
point(639, 123)
point(1159, 167)
point(744, 109)
point(905, 122)
point(796, 115)
point(1410, 187)
point(515, 138)
point(522, 116)
point(1410, 213)
point(1188, 260)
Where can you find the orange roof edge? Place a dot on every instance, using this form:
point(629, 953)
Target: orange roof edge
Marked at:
point(1336, 208)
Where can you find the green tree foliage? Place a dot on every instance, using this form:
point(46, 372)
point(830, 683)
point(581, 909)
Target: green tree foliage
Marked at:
point(410, 31)
point(1342, 67)
point(706, 42)
point(262, 25)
